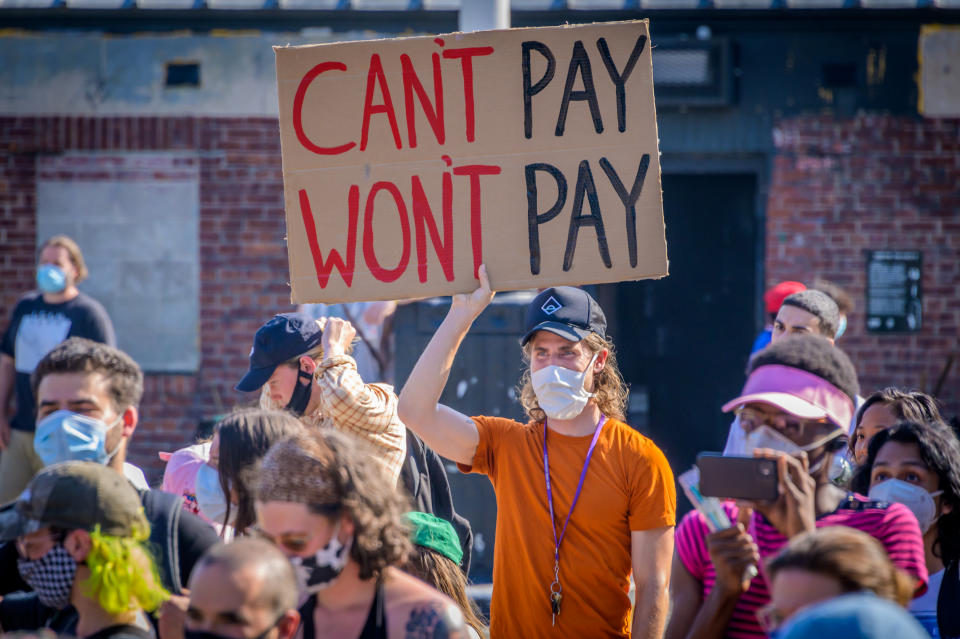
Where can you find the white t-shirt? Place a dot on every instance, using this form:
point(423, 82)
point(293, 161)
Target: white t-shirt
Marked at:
point(924, 607)
point(135, 476)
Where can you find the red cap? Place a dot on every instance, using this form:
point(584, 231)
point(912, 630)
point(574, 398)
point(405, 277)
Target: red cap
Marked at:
point(774, 296)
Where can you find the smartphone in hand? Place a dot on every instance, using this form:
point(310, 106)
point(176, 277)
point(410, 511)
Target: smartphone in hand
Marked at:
point(746, 478)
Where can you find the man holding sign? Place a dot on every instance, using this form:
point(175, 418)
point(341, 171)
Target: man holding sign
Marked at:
point(582, 498)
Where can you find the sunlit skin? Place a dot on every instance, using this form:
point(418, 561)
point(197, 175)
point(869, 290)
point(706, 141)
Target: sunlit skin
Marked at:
point(295, 530)
point(549, 349)
point(281, 384)
point(793, 589)
point(88, 394)
point(793, 320)
point(229, 603)
point(877, 417)
point(899, 460)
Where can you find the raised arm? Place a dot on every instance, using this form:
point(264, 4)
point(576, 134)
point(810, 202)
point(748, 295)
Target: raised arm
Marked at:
point(452, 434)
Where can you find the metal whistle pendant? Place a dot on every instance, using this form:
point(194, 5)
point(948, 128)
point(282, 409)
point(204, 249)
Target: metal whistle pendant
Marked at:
point(555, 599)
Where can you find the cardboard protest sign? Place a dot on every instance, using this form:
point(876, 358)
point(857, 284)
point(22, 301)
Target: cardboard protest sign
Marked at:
point(409, 162)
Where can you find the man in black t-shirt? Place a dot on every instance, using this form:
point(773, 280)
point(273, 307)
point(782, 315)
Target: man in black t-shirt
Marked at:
point(41, 319)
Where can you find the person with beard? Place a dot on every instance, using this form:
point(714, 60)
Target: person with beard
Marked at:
point(41, 319)
point(80, 534)
point(304, 366)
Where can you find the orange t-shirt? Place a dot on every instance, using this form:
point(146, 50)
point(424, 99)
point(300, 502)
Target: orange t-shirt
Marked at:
point(629, 486)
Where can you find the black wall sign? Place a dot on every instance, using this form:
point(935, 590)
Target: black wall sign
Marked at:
point(894, 291)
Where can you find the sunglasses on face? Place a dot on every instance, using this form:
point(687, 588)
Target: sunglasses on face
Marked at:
point(797, 429)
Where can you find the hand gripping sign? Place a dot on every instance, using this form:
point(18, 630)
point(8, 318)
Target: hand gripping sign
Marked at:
point(409, 162)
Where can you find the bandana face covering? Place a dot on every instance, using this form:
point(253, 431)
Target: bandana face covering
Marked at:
point(51, 576)
point(321, 569)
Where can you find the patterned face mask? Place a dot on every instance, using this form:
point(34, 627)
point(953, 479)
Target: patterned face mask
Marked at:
point(51, 576)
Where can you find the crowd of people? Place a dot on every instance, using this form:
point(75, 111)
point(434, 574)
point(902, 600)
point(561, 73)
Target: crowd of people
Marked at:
point(325, 509)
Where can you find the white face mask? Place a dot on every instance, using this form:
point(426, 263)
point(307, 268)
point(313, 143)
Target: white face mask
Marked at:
point(210, 497)
point(914, 497)
point(767, 437)
point(560, 391)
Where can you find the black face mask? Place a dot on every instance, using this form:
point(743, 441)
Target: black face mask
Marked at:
point(301, 395)
point(202, 634)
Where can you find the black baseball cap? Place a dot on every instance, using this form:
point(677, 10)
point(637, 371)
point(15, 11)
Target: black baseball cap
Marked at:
point(566, 311)
point(282, 338)
point(75, 495)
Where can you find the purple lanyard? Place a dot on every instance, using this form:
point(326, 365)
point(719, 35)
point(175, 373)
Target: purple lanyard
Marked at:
point(583, 474)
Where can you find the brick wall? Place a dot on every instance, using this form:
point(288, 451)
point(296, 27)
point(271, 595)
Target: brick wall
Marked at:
point(840, 187)
point(242, 252)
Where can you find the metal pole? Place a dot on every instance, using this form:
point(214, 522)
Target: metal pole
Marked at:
point(482, 15)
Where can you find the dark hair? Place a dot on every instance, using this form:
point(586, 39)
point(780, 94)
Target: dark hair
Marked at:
point(365, 492)
point(444, 575)
point(855, 559)
point(279, 591)
point(819, 304)
point(245, 437)
point(911, 406)
point(81, 355)
point(814, 354)
point(940, 452)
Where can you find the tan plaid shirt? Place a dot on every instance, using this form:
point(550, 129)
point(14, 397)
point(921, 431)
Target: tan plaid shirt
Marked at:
point(369, 411)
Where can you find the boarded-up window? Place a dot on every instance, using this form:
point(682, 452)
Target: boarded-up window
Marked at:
point(135, 216)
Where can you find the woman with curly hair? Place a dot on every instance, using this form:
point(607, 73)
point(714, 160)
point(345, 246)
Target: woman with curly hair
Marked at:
point(325, 502)
point(918, 464)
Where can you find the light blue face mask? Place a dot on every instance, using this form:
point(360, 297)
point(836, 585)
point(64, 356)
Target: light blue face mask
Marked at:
point(841, 327)
point(67, 436)
point(51, 278)
point(210, 497)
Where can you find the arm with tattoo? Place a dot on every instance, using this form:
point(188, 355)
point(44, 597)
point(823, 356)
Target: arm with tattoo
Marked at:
point(435, 620)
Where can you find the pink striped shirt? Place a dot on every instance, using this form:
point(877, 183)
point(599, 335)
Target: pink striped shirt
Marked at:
point(893, 525)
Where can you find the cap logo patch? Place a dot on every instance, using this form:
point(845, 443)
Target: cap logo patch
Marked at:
point(551, 306)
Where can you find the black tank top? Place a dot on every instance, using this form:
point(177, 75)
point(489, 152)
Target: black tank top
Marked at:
point(374, 628)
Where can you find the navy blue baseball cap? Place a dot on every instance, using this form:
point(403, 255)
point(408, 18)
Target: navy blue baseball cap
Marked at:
point(566, 311)
point(281, 339)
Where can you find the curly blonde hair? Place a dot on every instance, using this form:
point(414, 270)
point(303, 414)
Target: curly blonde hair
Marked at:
point(610, 391)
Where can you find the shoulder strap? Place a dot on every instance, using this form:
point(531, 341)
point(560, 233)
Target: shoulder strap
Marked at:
point(376, 626)
point(306, 617)
point(163, 512)
point(948, 617)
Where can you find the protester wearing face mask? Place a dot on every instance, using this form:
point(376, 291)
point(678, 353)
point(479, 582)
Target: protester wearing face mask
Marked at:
point(583, 499)
point(41, 320)
point(240, 442)
point(794, 408)
point(326, 503)
point(88, 396)
point(918, 465)
point(304, 366)
point(80, 534)
point(243, 590)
